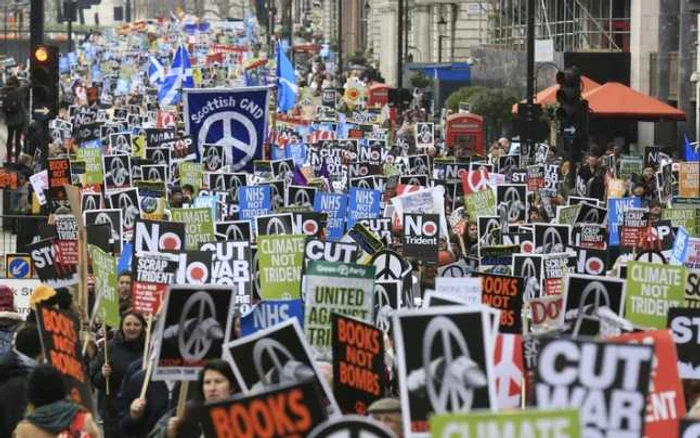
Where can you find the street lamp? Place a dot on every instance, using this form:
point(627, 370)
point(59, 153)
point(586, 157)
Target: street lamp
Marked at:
point(442, 29)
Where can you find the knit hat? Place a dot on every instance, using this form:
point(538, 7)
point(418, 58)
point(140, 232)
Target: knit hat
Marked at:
point(384, 405)
point(7, 299)
point(42, 294)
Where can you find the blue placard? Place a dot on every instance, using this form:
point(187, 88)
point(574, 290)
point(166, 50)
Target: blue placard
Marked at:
point(363, 204)
point(63, 66)
point(679, 252)
point(124, 262)
point(268, 313)
point(334, 205)
point(254, 201)
point(236, 118)
point(616, 208)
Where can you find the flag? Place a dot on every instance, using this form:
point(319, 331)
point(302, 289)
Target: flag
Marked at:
point(156, 71)
point(691, 151)
point(249, 27)
point(287, 89)
point(179, 77)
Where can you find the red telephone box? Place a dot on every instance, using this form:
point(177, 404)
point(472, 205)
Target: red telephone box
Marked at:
point(378, 95)
point(465, 132)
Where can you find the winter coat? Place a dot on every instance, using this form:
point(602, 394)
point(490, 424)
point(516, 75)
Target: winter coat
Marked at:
point(121, 355)
point(9, 323)
point(159, 400)
point(14, 372)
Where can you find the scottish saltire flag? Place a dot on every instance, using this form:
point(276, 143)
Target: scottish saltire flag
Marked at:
point(691, 150)
point(287, 89)
point(156, 71)
point(179, 77)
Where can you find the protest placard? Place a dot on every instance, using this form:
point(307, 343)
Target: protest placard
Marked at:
point(530, 423)
point(104, 268)
point(59, 331)
point(280, 259)
point(651, 290)
point(358, 366)
point(199, 225)
point(343, 288)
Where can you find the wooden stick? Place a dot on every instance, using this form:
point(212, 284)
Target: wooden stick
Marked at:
point(182, 399)
point(146, 345)
point(106, 361)
point(147, 379)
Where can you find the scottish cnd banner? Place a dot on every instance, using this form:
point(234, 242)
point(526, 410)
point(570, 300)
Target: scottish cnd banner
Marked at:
point(234, 118)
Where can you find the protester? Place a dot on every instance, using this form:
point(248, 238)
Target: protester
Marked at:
point(216, 383)
point(15, 110)
point(15, 366)
point(10, 320)
point(50, 414)
point(388, 412)
point(124, 292)
point(107, 375)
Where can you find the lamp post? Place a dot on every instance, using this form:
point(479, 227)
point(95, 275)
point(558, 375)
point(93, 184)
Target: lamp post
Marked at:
point(442, 29)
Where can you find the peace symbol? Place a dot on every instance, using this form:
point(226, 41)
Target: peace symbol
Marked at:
point(276, 352)
point(212, 159)
point(198, 344)
point(118, 172)
point(452, 395)
point(228, 140)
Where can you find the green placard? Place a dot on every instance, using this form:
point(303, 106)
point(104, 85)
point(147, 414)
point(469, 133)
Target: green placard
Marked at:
point(199, 226)
point(482, 203)
point(568, 214)
point(629, 166)
point(280, 259)
point(104, 268)
point(651, 289)
point(512, 424)
point(344, 288)
point(191, 173)
point(93, 164)
point(683, 217)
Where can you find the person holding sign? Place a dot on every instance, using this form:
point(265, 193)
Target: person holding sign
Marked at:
point(216, 383)
point(50, 413)
point(107, 375)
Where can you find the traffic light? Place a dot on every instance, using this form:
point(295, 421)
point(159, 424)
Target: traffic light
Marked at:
point(572, 113)
point(43, 74)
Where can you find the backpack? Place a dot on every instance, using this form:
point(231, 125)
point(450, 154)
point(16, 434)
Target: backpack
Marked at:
point(76, 427)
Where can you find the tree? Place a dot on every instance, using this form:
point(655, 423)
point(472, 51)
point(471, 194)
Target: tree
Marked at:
point(493, 104)
point(463, 94)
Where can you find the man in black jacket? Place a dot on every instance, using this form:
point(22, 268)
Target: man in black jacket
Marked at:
point(15, 115)
point(15, 367)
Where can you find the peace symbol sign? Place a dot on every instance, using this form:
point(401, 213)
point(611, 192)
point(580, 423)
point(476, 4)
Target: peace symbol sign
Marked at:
point(512, 198)
point(600, 298)
point(275, 227)
point(552, 241)
point(90, 203)
point(301, 197)
point(212, 159)
point(382, 307)
point(389, 265)
point(129, 209)
point(228, 140)
point(448, 394)
point(118, 171)
point(529, 272)
point(233, 232)
point(273, 350)
point(197, 345)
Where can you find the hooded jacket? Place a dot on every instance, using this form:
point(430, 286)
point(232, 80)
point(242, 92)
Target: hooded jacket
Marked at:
point(50, 419)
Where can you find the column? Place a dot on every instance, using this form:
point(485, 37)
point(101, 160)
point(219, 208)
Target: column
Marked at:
point(421, 33)
point(644, 28)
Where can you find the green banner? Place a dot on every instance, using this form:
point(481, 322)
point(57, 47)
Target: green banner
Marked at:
point(93, 164)
point(199, 226)
point(192, 174)
point(104, 269)
point(651, 289)
point(512, 424)
point(280, 259)
point(344, 288)
point(482, 203)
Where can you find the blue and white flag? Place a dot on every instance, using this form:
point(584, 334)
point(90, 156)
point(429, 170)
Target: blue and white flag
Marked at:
point(250, 27)
point(287, 89)
point(691, 150)
point(335, 205)
point(234, 118)
point(156, 71)
point(679, 252)
point(179, 77)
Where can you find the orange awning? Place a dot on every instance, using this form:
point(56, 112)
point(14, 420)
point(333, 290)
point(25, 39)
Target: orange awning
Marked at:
point(617, 100)
point(548, 96)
